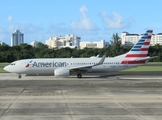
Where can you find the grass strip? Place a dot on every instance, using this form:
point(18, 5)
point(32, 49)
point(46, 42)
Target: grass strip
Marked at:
point(2, 70)
point(154, 63)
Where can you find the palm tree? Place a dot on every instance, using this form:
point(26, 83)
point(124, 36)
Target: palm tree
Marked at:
point(116, 43)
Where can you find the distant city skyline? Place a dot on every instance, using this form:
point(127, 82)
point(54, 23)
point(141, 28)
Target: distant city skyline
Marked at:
point(91, 20)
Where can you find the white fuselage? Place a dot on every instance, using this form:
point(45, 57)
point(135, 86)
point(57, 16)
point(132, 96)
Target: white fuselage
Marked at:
point(47, 66)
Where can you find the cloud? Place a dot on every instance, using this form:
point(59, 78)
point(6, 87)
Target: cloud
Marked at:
point(28, 28)
point(9, 18)
point(84, 23)
point(58, 29)
point(115, 21)
point(83, 11)
point(1, 30)
point(3, 35)
point(31, 31)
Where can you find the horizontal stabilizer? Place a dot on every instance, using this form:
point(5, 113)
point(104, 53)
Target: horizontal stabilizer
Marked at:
point(146, 58)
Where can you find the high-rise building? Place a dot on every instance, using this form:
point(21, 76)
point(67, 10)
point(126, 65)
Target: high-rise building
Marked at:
point(17, 38)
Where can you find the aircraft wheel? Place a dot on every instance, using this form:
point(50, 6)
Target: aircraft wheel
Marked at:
point(79, 75)
point(19, 76)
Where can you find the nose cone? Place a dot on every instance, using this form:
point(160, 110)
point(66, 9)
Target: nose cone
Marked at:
point(8, 68)
point(13, 69)
point(5, 68)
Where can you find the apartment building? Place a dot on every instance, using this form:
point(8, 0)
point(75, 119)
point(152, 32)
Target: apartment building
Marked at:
point(131, 39)
point(99, 44)
point(66, 41)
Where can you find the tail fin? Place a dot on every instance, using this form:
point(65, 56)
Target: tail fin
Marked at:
point(140, 49)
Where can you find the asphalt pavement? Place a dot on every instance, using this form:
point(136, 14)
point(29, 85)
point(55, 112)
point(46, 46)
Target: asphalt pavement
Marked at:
point(94, 97)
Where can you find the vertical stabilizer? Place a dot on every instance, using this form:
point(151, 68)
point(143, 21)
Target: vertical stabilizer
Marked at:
point(140, 49)
point(138, 53)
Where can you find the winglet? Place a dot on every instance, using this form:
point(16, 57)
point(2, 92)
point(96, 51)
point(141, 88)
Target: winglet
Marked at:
point(101, 61)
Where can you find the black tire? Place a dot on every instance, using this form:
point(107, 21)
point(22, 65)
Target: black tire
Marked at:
point(19, 76)
point(79, 75)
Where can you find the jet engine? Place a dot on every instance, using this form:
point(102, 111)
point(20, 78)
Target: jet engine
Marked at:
point(61, 72)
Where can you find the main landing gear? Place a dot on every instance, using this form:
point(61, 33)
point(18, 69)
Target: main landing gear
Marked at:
point(19, 76)
point(79, 75)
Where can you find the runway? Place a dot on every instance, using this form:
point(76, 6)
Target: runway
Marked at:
point(119, 96)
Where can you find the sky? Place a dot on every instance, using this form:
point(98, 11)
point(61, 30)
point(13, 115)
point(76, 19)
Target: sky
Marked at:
point(92, 20)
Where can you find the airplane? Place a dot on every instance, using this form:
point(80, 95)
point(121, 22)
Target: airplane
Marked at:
point(67, 66)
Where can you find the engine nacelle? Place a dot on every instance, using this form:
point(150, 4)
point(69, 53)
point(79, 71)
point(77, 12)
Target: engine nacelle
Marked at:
point(61, 72)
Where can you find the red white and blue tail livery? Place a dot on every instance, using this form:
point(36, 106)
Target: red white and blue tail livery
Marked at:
point(68, 66)
point(138, 53)
point(140, 49)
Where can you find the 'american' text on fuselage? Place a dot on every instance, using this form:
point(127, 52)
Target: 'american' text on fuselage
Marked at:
point(49, 64)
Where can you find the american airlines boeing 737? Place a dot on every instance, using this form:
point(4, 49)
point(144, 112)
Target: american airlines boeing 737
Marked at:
point(68, 66)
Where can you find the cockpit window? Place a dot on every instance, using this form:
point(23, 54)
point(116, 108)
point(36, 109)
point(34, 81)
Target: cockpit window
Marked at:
point(12, 64)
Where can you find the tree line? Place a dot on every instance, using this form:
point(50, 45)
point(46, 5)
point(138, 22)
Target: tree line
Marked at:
point(25, 51)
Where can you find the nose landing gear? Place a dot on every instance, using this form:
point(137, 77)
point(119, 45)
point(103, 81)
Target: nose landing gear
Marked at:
point(19, 76)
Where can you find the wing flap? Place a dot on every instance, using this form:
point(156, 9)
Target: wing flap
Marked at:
point(84, 67)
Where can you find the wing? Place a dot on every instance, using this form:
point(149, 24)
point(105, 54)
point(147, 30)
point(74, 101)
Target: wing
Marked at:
point(87, 67)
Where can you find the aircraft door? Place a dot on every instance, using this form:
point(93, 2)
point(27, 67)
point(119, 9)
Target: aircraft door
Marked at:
point(125, 64)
